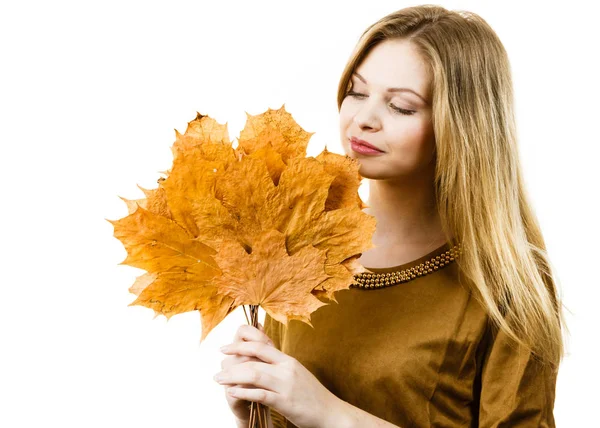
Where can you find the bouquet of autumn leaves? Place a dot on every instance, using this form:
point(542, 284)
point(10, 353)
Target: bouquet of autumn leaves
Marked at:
point(260, 224)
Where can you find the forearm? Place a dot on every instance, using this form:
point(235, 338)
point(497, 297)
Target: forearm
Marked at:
point(349, 416)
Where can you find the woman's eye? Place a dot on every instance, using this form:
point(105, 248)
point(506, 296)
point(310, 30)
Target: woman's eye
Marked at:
point(355, 94)
point(398, 109)
point(402, 111)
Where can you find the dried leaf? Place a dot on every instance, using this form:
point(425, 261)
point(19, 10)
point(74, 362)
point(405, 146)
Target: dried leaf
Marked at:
point(344, 189)
point(257, 225)
point(271, 278)
point(278, 128)
point(155, 202)
point(203, 129)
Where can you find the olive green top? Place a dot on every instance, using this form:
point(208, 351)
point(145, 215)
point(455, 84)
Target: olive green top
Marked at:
point(419, 354)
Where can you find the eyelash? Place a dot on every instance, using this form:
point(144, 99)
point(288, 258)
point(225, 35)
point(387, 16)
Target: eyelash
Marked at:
point(398, 109)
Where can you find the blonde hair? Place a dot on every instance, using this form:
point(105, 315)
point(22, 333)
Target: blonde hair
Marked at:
point(480, 193)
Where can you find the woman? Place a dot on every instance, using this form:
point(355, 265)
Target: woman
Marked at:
point(466, 329)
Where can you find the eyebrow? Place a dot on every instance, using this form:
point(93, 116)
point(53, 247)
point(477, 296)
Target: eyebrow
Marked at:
point(393, 89)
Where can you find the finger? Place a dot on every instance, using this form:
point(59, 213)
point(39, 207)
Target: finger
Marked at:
point(263, 351)
point(262, 329)
point(233, 360)
point(258, 395)
point(255, 374)
point(248, 333)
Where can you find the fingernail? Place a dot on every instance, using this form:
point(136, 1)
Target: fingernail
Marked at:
point(224, 348)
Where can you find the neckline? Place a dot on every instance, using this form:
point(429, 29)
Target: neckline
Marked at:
point(412, 263)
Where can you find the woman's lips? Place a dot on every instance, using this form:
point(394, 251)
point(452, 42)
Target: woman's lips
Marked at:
point(361, 148)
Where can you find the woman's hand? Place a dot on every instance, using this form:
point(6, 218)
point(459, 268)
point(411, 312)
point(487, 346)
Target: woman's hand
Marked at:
point(257, 371)
point(240, 407)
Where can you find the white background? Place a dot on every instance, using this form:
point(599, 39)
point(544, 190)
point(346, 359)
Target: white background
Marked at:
point(90, 95)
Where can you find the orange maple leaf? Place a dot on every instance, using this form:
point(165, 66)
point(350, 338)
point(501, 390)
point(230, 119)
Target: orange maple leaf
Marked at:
point(280, 283)
point(260, 224)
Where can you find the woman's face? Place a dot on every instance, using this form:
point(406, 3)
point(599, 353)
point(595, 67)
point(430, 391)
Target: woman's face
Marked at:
point(397, 122)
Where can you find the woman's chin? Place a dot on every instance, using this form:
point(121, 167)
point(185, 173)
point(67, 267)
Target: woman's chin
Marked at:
point(366, 172)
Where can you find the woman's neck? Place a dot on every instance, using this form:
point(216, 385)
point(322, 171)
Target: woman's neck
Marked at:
point(408, 223)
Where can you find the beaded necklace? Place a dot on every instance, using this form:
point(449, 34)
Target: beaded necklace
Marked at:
point(368, 280)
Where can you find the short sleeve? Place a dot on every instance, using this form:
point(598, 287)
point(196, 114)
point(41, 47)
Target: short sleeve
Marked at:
point(517, 390)
point(273, 329)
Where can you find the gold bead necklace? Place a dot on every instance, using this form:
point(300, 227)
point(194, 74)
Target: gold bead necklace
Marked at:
point(368, 280)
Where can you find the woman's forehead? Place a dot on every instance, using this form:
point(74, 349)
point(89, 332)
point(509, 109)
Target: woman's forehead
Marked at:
point(394, 67)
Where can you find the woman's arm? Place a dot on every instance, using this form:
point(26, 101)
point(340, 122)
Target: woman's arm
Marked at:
point(341, 415)
point(349, 416)
point(517, 390)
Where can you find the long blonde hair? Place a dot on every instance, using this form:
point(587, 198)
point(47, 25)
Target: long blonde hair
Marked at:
point(479, 186)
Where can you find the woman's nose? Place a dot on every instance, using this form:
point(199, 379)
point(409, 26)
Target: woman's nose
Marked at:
point(368, 113)
point(366, 117)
